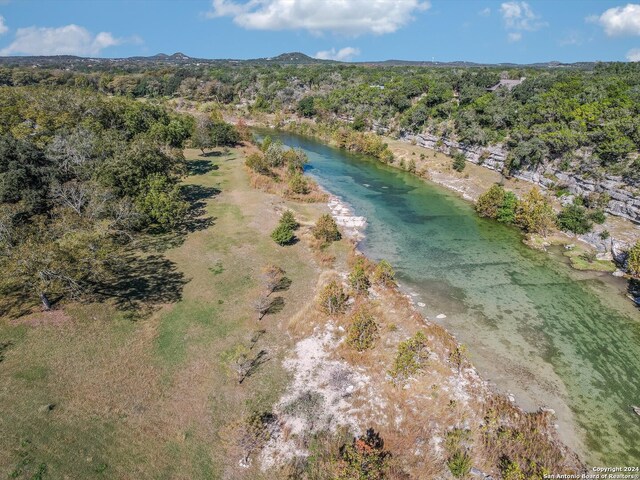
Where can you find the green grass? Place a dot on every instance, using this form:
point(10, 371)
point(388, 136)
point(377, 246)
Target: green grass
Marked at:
point(579, 261)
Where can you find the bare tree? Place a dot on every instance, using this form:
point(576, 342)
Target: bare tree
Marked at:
point(262, 305)
point(273, 278)
point(246, 365)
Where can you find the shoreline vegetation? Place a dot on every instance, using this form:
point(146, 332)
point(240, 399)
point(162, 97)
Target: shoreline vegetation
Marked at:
point(368, 298)
point(583, 253)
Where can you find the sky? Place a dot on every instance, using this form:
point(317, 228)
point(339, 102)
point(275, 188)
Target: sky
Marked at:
point(483, 31)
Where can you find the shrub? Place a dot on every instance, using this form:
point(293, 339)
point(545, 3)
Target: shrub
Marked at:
point(298, 184)
point(604, 234)
point(633, 260)
point(597, 216)
point(358, 278)
point(411, 358)
point(573, 218)
point(510, 470)
point(459, 162)
point(383, 274)
point(459, 464)
point(363, 330)
point(289, 220)
point(326, 229)
point(282, 235)
point(332, 298)
point(257, 163)
point(365, 458)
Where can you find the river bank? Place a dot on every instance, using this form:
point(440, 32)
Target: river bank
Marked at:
point(435, 166)
point(417, 417)
point(534, 327)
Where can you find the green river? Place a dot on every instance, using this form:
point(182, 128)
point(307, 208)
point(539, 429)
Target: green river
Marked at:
point(533, 326)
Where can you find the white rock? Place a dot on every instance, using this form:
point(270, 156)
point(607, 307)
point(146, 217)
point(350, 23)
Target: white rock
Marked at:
point(441, 316)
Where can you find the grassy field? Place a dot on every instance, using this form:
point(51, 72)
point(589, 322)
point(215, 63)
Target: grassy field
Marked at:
point(91, 391)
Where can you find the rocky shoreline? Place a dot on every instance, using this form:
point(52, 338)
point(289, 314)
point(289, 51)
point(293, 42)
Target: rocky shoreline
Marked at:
point(624, 202)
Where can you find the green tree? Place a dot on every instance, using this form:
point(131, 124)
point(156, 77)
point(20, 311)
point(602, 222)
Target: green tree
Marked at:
point(62, 257)
point(257, 163)
point(573, 218)
point(298, 184)
point(362, 331)
point(507, 211)
point(306, 107)
point(162, 202)
point(333, 298)
point(459, 161)
point(633, 260)
point(282, 235)
point(383, 274)
point(326, 229)
point(223, 134)
point(490, 201)
point(411, 357)
point(534, 213)
point(289, 220)
point(24, 174)
point(358, 278)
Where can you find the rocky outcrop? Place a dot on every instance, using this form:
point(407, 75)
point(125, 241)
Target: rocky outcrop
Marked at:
point(493, 157)
point(624, 202)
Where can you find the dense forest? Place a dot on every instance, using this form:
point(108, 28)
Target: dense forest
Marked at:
point(583, 119)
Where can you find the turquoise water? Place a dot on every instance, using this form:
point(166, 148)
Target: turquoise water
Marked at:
point(534, 327)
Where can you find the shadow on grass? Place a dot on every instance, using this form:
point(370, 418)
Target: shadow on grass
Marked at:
point(276, 306)
point(137, 281)
point(213, 153)
point(141, 281)
point(200, 167)
point(283, 285)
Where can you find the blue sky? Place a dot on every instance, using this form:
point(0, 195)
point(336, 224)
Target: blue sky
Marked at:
point(359, 30)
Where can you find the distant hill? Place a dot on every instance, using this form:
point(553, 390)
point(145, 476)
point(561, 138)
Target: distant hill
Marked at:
point(291, 58)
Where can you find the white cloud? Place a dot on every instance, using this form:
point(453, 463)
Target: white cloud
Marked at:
point(67, 40)
point(514, 37)
point(572, 38)
point(633, 55)
point(485, 12)
point(3, 26)
point(350, 17)
point(520, 16)
point(343, 55)
point(619, 20)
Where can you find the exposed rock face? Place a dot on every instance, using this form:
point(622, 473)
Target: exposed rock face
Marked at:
point(624, 199)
